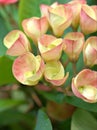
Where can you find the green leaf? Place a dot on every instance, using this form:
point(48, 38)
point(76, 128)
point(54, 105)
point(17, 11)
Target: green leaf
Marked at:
point(53, 96)
point(6, 75)
point(61, 98)
point(30, 8)
point(3, 32)
point(81, 104)
point(92, 2)
point(83, 120)
point(9, 103)
point(43, 122)
point(7, 117)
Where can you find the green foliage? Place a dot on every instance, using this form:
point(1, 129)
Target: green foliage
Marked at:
point(81, 104)
point(9, 103)
point(83, 120)
point(3, 31)
point(60, 98)
point(43, 122)
point(6, 76)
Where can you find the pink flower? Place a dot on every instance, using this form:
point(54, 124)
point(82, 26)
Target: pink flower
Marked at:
point(54, 73)
point(35, 27)
point(76, 5)
point(17, 43)
point(84, 85)
point(60, 18)
point(45, 8)
point(7, 1)
point(90, 51)
point(88, 19)
point(28, 69)
point(50, 47)
point(73, 45)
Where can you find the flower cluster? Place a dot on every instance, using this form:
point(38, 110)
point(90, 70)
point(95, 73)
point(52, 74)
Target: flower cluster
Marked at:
point(47, 33)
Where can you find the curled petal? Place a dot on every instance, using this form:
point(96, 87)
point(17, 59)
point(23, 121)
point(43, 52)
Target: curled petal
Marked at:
point(28, 69)
point(90, 51)
point(60, 18)
point(73, 45)
point(84, 85)
point(78, 1)
point(76, 5)
point(50, 47)
point(54, 73)
point(17, 43)
point(44, 8)
point(88, 19)
point(35, 27)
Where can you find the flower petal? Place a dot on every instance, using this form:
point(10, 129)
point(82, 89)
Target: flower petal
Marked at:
point(17, 43)
point(54, 73)
point(35, 27)
point(28, 69)
point(84, 85)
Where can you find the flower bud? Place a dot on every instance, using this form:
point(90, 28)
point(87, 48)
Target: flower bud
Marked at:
point(76, 5)
point(73, 45)
point(50, 47)
point(54, 73)
point(84, 85)
point(88, 19)
point(17, 43)
point(44, 8)
point(60, 19)
point(90, 51)
point(35, 27)
point(28, 69)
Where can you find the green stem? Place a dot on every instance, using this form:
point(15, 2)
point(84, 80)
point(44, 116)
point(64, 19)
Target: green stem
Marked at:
point(66, 63)
point(74, 68)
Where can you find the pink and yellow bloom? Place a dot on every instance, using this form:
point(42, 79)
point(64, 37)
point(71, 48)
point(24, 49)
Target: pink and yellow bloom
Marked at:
point(28, 69)
point(73, 45)
point(54, 73)
point(84, 85)
point(90, 51)
point(60, 18)
point(7, 1)
point(44, 8)
point(76, 5)
point(35, 27)
point(88, 19)
point(17, 43)
point(50, 47)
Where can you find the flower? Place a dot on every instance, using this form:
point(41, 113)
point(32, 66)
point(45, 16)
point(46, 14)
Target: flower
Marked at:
point(84, 85)
point(7, 1)
point(60, 18)
point(17, 43)
point(54, 73)
point(50, 47)
point(76, 5)
point(73, 45)
point(88, 19)
point(44, 8)
point(35, 27)
point(90, 51)
point(28, 69)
